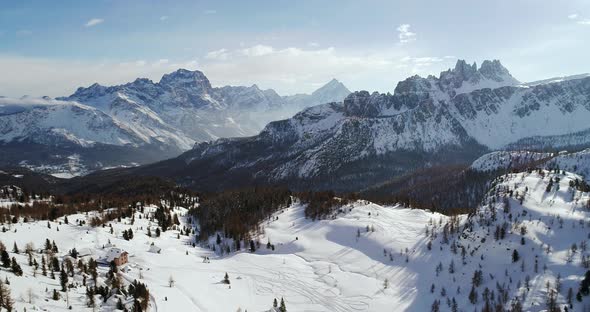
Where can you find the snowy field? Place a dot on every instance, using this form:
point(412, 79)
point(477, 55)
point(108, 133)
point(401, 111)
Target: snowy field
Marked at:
point(368, 258)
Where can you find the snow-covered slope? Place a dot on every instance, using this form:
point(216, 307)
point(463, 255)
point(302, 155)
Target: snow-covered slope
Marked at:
point(46, 135)
point(45, 121)
point(555, 79)
point(365, 258)
point(504, 160)
point(578, 162)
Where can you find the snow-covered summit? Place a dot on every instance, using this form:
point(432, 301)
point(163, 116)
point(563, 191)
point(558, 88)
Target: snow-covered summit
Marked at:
point(186, 79)
point(334, 89)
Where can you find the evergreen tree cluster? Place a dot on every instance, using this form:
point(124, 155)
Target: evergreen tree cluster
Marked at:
point(237, 213)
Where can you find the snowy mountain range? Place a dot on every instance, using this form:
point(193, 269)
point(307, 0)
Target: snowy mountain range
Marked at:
point(370, 137)
point(141, 121)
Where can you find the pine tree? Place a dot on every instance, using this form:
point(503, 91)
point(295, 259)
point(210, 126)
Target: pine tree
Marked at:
point(5, 257)
point(43, 266)
point(55, 295)
point(15, 248)
point(6, 301)
point(552, 301)
point(435, 306)
point(226, 279)
point(477, 278)
point(63, 279)
point(515, 256)
point(15, 267)
point(275, 304)
point(473, 295)
point(120, 305)
point(516, 306)
point(90, 296)
point(282, 308)
point(585, 284)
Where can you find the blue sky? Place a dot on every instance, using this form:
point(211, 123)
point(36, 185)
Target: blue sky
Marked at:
point(52, 47)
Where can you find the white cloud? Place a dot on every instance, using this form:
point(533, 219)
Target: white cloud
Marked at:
point(221, 54)
point(421, 65)
point(405, 35)
point(313, 44)
point(288, 70)
point(161, 62)
point(257, 50)
point(93, 22)
point(576, 17)
point(294, 70)
point(62, 77)
point(164, 17)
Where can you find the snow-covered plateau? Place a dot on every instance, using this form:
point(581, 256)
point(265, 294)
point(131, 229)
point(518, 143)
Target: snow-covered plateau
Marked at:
point(525, 246)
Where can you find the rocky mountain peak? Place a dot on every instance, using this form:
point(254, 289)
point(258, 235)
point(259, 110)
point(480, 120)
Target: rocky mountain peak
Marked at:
point(361, 104)
point(465, 78)
point(187, 79)
point(94, 90)
point(414, 84)
point(494, 70)
point(333, 87)
point(142, 82)
point(462, 69)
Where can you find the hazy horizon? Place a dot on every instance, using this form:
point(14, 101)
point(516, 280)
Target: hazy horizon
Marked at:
point(292, 47)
